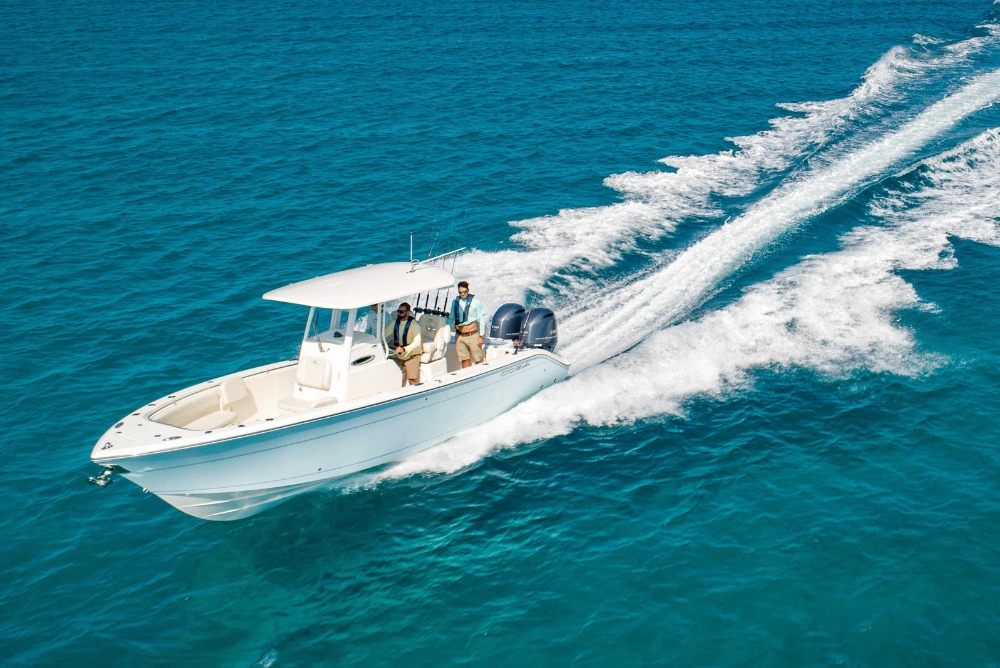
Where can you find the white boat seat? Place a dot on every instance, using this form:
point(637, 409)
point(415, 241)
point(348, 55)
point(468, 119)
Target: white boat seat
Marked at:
point(215, 420)
point(297, 405)
point(237, 398)
point(432, 369)
point(314, 372)
point(435, 334)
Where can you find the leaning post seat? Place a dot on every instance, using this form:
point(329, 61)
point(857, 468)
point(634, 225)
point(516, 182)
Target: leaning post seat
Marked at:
point(315, 373)
point(435, 333)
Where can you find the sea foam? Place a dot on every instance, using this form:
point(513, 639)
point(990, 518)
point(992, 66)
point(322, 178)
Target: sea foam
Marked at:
point(575, 243)
point(833, 313)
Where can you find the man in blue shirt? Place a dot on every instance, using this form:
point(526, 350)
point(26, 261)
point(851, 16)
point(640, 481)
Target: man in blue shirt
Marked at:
point(468, 315)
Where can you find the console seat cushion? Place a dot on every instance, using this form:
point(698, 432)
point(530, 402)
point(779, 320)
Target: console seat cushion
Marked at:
point(214, 420)
point(314, 372)
point(435, 334)
point(296, 405)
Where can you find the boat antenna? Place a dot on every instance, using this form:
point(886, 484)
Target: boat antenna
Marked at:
point(411, 252)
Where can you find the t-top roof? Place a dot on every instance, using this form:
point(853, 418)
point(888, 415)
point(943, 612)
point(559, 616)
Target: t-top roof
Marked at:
point(364, 286)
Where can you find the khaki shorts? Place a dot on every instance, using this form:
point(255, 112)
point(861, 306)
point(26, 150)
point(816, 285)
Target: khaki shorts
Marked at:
point(410, 367)
point(467, 346)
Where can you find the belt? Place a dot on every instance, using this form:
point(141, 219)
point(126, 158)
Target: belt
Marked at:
point(475, 328)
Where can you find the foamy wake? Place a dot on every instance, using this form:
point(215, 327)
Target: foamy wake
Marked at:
point(576, 242)
point(626, 313)
point(833, 313)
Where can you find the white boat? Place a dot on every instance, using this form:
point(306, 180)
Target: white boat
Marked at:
point(233, 446)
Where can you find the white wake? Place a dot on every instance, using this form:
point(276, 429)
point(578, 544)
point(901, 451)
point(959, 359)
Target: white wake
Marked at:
point(833, 313)
point(575, 242)
point(629, 313)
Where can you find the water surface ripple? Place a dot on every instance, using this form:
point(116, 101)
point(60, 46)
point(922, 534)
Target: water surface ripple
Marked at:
point(769, 230)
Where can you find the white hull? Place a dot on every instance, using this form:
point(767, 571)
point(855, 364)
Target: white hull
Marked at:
point(248, 470)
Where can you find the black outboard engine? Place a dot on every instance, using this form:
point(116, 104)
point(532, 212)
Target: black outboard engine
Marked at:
point(507, 322)
point(539, 330)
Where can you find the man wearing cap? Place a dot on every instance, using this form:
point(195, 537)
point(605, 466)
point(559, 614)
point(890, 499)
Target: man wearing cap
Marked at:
point(403, 338)
point(469, 318)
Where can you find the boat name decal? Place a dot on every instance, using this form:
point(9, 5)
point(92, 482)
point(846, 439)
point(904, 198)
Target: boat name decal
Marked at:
point(514, 369)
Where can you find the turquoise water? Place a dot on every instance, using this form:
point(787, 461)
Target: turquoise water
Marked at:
point(777, 448)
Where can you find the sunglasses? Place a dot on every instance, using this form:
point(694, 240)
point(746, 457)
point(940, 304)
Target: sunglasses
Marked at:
point(463, 292)
point(402, 311)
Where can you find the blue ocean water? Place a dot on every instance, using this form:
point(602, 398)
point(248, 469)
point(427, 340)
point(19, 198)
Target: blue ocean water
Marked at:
point(778, 445)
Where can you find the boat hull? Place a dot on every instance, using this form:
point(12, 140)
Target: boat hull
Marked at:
point(240, 476)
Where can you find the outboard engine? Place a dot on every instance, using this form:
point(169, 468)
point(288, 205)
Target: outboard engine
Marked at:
point(507, 322)
point(539, 330)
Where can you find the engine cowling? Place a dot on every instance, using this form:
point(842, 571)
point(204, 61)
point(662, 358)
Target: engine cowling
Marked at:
point(507, 322)
point(538, 330)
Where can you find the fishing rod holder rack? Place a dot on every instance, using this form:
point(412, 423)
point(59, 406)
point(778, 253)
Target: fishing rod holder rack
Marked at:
point(436, 261)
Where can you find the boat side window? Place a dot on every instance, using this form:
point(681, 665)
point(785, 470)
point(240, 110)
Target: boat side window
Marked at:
point(338, 324)
point(329, 325)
